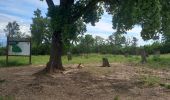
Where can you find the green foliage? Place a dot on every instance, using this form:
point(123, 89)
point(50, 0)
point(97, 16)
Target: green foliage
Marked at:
point(166, 85)
point(148, 14)
point(165, 12)
point(42, 49)
point(72, 31)
point(7, 98)
point(116, 97)
point(156, 57)
point(40, 29)
point(2, 51)
point(117, 39)
point(94, 14)
point(165, 48)
point(41, 33)
point(85, 44)
point(2, 80)
point(113, 45)
point(163, 63)
point(156, 46)
point(13, 30)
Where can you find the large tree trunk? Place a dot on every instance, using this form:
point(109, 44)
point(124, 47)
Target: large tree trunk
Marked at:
point(55, 61)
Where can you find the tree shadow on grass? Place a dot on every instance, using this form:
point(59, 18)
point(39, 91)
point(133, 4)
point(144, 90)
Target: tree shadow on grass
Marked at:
point(12, 64)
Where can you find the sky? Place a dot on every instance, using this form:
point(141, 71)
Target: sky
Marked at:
point(22, 12)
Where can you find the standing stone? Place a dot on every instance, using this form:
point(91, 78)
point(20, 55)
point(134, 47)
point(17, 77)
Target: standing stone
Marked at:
point(105, 63)
point(69, 56)
point(157, 53)
point(126, 54)
point(143, 56)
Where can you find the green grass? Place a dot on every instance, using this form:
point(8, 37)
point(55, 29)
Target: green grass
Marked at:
point(36, 60)
point(116, 97)
point(166, 85)
point(164, 61)
point(149, 80)
point(7, 98)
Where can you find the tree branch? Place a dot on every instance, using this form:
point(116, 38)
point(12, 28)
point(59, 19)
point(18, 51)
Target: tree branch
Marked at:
point(66, 2)
point(50, 3)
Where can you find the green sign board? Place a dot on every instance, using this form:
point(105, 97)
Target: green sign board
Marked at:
point(18, 47)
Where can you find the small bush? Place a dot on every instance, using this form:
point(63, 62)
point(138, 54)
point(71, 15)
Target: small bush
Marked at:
point(167, 85)
point(2, 51)
point(2, 81)
point(41, 50)
point(6, 98)
point(116, 97)
point(150, 80)
point(156, 58)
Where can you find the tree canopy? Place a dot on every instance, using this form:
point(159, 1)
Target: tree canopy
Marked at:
point(13, 30)
point(40, 29)
point(152, 15)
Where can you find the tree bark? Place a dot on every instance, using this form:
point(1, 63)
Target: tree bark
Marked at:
point(55, 61)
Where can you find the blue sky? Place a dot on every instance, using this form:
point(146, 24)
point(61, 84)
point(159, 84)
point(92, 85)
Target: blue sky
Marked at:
point(22, 12)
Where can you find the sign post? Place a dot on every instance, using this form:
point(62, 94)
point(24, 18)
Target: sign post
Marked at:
point(18, 47)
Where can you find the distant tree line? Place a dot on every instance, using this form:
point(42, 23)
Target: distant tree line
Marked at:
point(116, 43)
point(41, 34)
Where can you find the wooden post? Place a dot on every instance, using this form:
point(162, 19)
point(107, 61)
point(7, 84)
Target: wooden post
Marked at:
point(30, 52)
point(7, 47)
point(9, 40)
point(69, 56)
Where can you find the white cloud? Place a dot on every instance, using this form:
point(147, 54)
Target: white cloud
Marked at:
point(105, 36)
point(102, 26)
point(4, 19)
point(136, 29)
point(20, 11)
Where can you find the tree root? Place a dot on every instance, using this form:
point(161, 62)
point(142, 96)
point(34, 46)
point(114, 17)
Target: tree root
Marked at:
point(50, 69)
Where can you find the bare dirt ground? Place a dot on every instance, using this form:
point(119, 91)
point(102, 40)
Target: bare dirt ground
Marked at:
point(89, 83)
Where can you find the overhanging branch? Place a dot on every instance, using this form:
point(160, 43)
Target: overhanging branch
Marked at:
point(50, 3)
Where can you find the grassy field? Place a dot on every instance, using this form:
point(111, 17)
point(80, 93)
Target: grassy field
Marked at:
point(162, 62)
